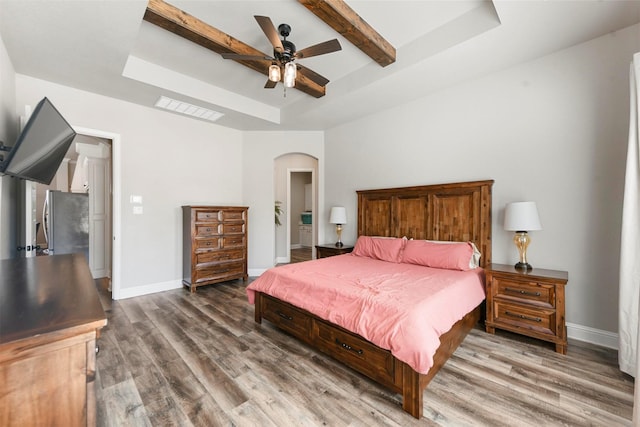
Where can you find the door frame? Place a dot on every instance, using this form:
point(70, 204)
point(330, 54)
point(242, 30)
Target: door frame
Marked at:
point(116, 220)
point(314, 217)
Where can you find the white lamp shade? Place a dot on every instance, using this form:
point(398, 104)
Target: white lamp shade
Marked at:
point(521, 216)
point(338, 215)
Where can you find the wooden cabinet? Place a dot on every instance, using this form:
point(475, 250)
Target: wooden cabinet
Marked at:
point(214, 244)
point(527, 302)
point(324, 251)
point(50, 315)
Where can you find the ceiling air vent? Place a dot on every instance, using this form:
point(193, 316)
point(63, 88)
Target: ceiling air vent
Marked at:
point(187, 109)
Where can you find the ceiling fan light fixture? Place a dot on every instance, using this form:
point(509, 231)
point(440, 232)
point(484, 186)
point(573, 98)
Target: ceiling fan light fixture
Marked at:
point(274, 73)
point(290, 74)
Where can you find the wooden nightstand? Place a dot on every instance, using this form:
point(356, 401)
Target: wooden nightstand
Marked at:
point(325, 251)
point(527, 302)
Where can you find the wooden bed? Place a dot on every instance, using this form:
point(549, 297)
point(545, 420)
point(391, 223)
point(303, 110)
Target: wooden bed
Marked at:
point(452, 212)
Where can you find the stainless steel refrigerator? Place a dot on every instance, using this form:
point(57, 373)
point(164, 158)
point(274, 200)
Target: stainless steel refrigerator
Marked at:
point(66, 223)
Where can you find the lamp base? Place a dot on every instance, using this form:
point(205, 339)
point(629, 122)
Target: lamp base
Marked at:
point(523, 266)
point(339, 244)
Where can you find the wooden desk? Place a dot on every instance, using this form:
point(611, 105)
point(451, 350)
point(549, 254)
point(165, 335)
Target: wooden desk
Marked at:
point(50, 315)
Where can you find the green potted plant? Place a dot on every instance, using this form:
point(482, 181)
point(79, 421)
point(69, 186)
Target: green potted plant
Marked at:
point(278, 211)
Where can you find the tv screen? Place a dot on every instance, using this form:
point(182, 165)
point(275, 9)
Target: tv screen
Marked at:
point(41, 146)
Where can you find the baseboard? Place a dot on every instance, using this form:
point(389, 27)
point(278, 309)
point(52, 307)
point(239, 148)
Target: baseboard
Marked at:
point(592, 335)
point(255, 272)
point(282, 260)
point(147, 289)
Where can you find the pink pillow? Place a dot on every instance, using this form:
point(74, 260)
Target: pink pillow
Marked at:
point(382, 248)
point(451, 256)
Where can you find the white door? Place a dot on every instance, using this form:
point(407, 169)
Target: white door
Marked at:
point(99, 220)
point(97, 173)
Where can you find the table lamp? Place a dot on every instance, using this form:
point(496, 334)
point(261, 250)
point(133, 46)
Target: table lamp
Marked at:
point(338, 217)
point(522, 217)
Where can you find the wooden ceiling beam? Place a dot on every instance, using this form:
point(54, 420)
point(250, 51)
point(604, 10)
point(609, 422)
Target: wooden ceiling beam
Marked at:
point(191, 28)
point(339, 16)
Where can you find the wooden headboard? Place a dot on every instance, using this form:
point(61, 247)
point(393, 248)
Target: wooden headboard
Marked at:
point(454, 212)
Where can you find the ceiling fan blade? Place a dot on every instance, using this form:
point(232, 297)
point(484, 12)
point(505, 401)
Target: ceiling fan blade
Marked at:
point(312, 75)
point(269, 84)
point(270, 31)
point(239, 57)
point(319, 49)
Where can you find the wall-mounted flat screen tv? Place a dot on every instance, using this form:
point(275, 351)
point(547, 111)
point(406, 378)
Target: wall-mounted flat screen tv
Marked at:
point(41, 146)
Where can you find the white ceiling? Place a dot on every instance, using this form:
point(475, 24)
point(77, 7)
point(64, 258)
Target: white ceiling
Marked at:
point(105, 47)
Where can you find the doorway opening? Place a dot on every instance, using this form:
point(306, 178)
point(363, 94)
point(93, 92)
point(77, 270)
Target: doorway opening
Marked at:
point(73, 212)
point(296, 193)
point(300, 191)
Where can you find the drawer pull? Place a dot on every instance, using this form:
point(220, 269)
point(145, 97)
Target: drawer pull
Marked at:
point(348, 347)
point(522, 292)
point(284, 316)
point(522, 316)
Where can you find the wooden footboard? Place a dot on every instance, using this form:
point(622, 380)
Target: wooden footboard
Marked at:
point(358, 353)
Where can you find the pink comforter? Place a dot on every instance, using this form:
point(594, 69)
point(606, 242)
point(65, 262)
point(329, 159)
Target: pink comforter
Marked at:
point(403, 308)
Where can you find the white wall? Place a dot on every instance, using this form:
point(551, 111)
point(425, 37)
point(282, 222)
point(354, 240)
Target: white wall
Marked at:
point(8, 135)
point(169, 160)
point(553, 131)
point(260, 151)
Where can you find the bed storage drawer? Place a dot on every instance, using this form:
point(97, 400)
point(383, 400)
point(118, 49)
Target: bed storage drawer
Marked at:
point(355, 351)
point(287, 317)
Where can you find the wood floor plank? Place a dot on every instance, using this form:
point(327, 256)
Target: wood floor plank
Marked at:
point(249, 414)
point(177, 358)
point(120, 405)
point(274, 401)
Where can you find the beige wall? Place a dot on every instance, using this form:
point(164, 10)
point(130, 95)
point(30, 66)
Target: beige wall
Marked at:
point(261, 149)
point(167, 159)
point(552, 130)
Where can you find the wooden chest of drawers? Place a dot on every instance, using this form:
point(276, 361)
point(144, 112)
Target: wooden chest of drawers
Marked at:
point(214, 244)
point(527, 302)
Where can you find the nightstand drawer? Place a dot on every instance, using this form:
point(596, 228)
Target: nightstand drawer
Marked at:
point(526, 292)
point(518, 316)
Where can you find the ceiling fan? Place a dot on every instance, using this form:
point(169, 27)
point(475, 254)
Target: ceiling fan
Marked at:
point(283, 65)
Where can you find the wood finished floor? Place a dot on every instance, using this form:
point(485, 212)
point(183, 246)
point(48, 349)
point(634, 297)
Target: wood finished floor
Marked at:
point(181, 359)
